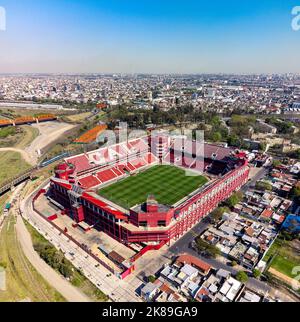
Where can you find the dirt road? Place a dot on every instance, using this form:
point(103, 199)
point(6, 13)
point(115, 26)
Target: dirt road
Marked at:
point(293, 282)
point(25, 155)
point(69, 292)
point(49, 132)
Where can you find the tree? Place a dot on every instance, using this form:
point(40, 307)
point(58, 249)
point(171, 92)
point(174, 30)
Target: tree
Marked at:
point(151, 279)
point(263, 185)
point(206, 248)
point(234, 199)
point(233, 263)
point(256, 273)
point(217, 137)
point(217, 214)
point(234, 140)
point(276, 163)
point(65, 270)
point(215, 121)
point(242, 277)
point(295, 193)
point(262, 146)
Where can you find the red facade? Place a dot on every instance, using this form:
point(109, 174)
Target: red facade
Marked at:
point(74, 182)
point(173, 223)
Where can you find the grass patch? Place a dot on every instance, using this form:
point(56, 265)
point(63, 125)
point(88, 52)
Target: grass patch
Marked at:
point(18, 137)
point(29, 133)
point(12, 164)
point(78, 117)
point(23, 281)
point(7, 131)
point(168, 184)
point(283, 256)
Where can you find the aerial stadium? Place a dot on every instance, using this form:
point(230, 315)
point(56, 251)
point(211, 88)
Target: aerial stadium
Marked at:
point(147, 191)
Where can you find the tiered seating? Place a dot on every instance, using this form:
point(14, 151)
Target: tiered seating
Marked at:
point(169, 158)
point(138, 145)
point(216, 152)
point(189, 147)
point(120, 150)
point(101, 156)
point(138, 163)
point(198, 166)
point(89, 182)
point(218, 168)
point(123, 168)
point(80, 162)
point(117, 171)
point(207, 165)
point(150, 158)
point(130, 167)
point(106, 175)
point(187, 162)
point(216, 160)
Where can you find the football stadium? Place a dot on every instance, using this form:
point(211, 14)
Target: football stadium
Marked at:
point(147, 191)
point(168, 184)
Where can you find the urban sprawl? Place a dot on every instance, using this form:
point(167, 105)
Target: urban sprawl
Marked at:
point(161, 216)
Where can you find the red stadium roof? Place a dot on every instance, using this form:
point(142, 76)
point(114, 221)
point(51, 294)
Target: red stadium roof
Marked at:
point(96, 201)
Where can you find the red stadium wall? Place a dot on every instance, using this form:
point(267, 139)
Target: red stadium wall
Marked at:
point(78, 214)
point(186, 215)
point(152, 218)
point(189, 214)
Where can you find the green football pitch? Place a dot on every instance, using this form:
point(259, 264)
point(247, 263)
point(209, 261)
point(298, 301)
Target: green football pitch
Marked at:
point(168, 184)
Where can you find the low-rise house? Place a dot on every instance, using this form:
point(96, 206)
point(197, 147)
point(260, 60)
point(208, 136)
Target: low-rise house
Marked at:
point(230, 290)
point(149, 291)
point(219, 287)
point(167, 294)
point(249, 296)
point(238, 252)
point(202, 266)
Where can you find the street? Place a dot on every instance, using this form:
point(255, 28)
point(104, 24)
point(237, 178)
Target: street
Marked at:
point(111, 285)
point(182, 245)
point(118, 290)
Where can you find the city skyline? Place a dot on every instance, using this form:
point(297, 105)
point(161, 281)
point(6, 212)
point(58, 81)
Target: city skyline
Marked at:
point(149, 37)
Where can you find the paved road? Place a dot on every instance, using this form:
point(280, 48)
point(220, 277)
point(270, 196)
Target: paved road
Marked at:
point(258, 176)
point(252, 283)
point(118, 290)
point(182, 245)
point(183, 242)
point(69, 292)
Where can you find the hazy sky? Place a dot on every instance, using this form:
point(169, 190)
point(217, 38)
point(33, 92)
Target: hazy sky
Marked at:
point(151, 36)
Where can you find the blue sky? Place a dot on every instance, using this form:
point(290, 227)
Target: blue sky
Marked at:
point(151, 36)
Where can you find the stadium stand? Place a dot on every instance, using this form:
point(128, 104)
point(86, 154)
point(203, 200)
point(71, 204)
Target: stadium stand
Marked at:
point(106, 175)
point(80, 162)
point(89, 182)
